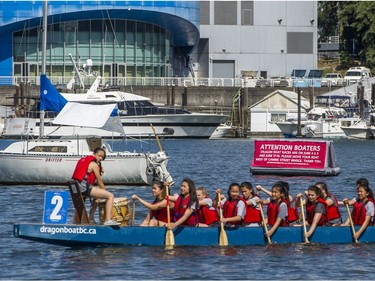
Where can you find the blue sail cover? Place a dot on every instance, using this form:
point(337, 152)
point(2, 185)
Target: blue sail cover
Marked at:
point(50, 98)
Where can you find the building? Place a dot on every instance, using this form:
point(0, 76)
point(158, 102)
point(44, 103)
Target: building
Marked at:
point(220, 39)
point(277, 106)
point(122, 38)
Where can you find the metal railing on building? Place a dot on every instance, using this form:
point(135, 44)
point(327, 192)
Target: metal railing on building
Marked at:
point(61, 81)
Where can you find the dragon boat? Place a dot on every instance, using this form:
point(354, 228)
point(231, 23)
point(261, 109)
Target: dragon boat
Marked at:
point(55, 230)
point(91, 235)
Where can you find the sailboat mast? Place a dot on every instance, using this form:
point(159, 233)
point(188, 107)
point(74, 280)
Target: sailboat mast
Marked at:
point(44, 38)
point(44, 61)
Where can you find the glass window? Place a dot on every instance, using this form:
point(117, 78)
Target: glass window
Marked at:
point(276, 117)
point(130, 41)
point(142, 49)
point(49, 149)
point(120, 41)
point(140, 42)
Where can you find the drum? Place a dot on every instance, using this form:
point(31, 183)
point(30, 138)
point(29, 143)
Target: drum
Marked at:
point(120, 211)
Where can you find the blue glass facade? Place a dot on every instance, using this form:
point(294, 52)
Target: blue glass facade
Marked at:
point(123, 38)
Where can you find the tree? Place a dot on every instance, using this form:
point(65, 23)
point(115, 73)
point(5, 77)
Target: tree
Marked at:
point(327, 19)
point(357, 19)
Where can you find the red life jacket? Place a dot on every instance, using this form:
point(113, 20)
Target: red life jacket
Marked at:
point(333, 210)
point(273, 211)
point(359, 211)
point(230, 209)
point(207, 215)
point(81, 171)
point(292, 211)
point(252, 214)
point(310, 210)
point(162, 214)
point(181, 205)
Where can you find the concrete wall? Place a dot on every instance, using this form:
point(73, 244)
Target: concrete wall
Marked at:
point(193, 98)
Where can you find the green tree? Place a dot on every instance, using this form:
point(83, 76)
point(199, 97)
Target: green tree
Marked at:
point(357, 21)
point(327, 19)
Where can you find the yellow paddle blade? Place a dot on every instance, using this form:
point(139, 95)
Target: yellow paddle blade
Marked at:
point(223, 240)
point(169, 238)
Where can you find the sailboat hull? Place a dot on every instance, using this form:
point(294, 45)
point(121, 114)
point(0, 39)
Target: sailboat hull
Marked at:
point(58, 169)
point(53, 162)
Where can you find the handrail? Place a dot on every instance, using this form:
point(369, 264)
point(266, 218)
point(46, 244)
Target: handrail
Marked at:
point(178, 81)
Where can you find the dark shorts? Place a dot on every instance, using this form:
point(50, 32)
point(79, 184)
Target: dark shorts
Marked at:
point(85, 188)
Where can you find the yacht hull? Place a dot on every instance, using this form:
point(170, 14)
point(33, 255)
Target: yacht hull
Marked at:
point(193, 125)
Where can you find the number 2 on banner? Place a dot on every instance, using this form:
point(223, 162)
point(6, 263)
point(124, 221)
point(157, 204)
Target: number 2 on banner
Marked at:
point(56, 200)
point(56, 207)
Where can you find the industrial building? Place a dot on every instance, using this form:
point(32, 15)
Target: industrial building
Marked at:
point(213, 39)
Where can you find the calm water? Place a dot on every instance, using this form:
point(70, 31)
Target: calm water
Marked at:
point(213, 164)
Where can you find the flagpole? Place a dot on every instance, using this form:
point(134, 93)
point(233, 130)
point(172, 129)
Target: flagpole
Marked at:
point(44, 61)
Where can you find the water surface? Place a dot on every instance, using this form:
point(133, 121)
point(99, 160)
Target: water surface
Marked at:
point(213, 164)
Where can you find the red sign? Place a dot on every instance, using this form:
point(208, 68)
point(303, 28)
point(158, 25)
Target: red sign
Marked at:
point(289, 154)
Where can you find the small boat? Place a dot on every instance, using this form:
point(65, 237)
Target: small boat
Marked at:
point(321, 122)
point(225, 130)
point(289, 127)
point(325, 119)
point(359, 130)
point(44, 161)
point(92, 235)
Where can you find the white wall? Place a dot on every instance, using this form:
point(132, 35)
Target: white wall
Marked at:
point(258, 47)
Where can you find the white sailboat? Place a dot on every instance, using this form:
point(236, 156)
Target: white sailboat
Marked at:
point(46, 161)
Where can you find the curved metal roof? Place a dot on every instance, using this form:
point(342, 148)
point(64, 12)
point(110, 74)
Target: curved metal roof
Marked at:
point(185, 33)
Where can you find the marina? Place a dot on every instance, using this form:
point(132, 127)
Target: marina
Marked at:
point(135, 114)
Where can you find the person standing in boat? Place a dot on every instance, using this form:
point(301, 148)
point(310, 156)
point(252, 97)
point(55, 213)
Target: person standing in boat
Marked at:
point(157, 215)
point(277, 209)
point(316, 209)
point(186, 205)
point(88, 171)
point(293, 216)
point(333, 213)
point(363, 209)
point(234, 209)
point(252, 217)
point(207, 214)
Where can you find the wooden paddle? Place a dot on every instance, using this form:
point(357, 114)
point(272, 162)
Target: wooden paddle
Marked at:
point(169, 236)
point(156, 137)
point(304, 221)
point(133, 212)
point(223, 239)
point(264, 223)
point(351, 222)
